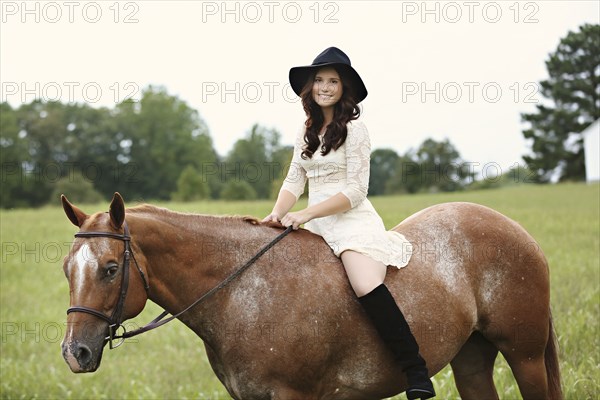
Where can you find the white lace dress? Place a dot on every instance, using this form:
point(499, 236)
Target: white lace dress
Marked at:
point(346, 170)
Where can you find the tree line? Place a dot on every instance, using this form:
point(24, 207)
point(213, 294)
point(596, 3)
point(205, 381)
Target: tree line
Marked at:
point(159, 148)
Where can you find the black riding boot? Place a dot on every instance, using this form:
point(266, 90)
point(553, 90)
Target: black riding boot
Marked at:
point(395, 332)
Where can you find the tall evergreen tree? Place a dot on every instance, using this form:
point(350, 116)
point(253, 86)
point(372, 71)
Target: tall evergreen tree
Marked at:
point(572, 92)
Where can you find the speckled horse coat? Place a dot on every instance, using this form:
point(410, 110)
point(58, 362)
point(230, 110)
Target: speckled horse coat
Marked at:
point(290, 327)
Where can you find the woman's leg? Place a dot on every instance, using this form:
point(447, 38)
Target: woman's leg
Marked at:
point(366, 278)
point(364, 273)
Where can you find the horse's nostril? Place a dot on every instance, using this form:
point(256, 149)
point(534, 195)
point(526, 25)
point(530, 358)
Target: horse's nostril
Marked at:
point(83, 354)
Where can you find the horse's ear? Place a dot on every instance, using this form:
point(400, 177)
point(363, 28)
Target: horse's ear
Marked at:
point(117, 211)
point(75, 215)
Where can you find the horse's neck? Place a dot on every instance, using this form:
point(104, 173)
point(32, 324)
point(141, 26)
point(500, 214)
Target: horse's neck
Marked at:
point(187, 255)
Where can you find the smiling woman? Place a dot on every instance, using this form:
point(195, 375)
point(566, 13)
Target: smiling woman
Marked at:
point(327, 88)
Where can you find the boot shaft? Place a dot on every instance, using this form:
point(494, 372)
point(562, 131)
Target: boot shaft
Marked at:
point(392, 326)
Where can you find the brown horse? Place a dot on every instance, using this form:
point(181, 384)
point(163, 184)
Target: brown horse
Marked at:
point(290, 326)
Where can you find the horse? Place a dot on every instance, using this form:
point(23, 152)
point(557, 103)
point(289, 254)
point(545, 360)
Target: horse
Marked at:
point(290, 326)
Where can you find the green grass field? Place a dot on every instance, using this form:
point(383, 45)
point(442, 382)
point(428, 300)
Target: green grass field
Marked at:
point(171, 363)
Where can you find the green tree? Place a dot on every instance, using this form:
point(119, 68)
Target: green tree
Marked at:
point(281, 160)
point(91, 147)
point(191, 186)
point(15, 188)
point(238, 190)
point(138, 148)
point(159, 136)
point(572, 92)
point(516, 175)
point(42, 129)
point(45, 142)
point(407, 176)
point(383, 168)
point(434, 167)
point(77, 188)
point(256, 159)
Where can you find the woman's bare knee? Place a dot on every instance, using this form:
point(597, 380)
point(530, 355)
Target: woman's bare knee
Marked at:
point(364, 288)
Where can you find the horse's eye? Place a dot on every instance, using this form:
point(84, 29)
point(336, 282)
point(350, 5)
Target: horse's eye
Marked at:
point(112, 270)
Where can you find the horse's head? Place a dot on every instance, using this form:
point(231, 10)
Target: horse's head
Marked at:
point(107, 285)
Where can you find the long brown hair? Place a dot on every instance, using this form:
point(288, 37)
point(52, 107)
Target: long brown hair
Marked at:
point(344, 111)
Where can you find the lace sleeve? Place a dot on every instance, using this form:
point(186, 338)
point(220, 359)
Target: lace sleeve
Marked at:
point(358, 159)
point(296, 177)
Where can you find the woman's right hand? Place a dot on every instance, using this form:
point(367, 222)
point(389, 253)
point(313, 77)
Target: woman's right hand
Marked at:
point(285, 201)
point(273, 217)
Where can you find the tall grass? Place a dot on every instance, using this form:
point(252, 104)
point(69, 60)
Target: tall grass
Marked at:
point(171, 363)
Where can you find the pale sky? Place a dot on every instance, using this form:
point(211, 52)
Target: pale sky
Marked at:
point(461, 70)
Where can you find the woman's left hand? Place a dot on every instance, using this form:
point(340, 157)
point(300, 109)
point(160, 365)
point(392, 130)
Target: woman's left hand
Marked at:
point(295, 219)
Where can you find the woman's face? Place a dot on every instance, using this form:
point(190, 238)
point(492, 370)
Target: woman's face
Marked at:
point(327, 87)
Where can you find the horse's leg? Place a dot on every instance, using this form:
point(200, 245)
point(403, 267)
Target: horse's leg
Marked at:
point(523, 349)
point(529, 372)
point(473, 368)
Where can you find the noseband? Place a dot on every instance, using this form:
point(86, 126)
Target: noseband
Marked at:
point(115, 321)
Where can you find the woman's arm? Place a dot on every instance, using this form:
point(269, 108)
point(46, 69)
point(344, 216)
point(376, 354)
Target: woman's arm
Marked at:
point(285, 202)
point(335, 204)
point(358, 163)
point(358, 157)
point(293, 185)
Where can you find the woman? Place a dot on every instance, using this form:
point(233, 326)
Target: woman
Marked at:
point(333, 152)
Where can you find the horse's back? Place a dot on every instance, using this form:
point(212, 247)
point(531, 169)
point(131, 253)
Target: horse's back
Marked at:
point(473, 237)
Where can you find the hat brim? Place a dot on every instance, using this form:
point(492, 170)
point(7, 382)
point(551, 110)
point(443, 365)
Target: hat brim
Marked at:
point(299, 76)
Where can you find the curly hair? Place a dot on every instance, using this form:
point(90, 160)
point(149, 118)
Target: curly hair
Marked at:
point(344, 111)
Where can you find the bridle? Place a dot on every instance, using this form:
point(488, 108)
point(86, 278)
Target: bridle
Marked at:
point(115, 321)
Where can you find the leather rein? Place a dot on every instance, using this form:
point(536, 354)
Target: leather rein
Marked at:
point(115, 321)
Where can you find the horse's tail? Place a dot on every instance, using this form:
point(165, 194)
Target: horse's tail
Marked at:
point(552, 367)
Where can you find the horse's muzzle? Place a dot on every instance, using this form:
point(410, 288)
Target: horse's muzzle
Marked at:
point(81, 357)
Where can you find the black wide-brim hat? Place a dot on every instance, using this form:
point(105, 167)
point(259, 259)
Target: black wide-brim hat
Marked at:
point(333, 57)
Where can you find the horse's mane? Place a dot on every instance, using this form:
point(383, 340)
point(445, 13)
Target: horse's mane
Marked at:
point(154, 210)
